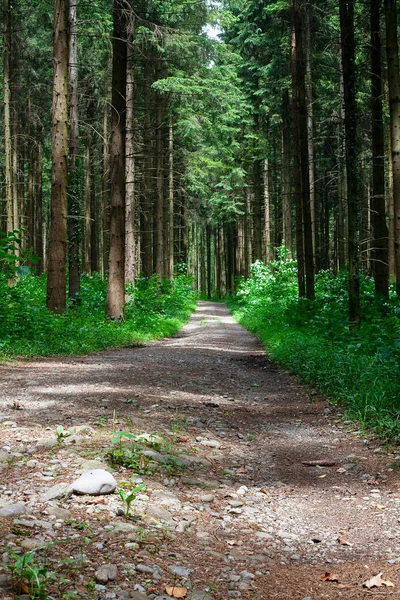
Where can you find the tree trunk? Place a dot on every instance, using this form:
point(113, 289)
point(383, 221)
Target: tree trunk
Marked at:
point(379, 242)
point(147, 202)
point(130, 208)
point(303, 212)
point(286, 176)
point(7, 115)
point(171, 239)
point(267, 212)
point(38, 206)
point(352, 157)
point(116, 275)
point(159, 161)
point(56, 271)
point(73, 184)
point(310, 130)
point(257, 209)
point(392, 53)
point(105, 181)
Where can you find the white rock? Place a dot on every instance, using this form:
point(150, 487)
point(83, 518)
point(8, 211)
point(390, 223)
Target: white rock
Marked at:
point(94, 483)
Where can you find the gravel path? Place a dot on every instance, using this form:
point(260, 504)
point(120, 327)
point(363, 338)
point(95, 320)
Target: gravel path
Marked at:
point(230, 509)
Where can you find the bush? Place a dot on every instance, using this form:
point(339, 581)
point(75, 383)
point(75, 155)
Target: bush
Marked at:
point(155, 309)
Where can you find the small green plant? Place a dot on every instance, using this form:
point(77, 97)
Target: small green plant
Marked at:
point(129, 497)
point(29, 576)
point(60, 433)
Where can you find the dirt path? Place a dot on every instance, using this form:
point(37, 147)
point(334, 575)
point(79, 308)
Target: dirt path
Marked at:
point(229, 509)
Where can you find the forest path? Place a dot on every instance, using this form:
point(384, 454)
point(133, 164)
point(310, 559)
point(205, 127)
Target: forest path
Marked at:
point(230, 510)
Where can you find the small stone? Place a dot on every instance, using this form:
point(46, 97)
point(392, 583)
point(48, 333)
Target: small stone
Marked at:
point(56, 492)
point(182, 526)
point(247, 575)
point(167, 498)
point(263, 535)
point(211, 443)
point(60, 513)
point(235, 503)
point(9, 423)
point(4, 456)
point(43, 443)
point(242, 490)
point(179, 571)
point(31, 464)
point(207, 498)
point(90, 465)
point(160, 514)
point(94, 483)
point(141, 568)
point(5, 582)
point(12, 510)
point(106, 573)
point(73, 440)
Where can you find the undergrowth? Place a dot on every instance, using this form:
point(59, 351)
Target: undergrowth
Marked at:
point(156, 308)
point(360, 369)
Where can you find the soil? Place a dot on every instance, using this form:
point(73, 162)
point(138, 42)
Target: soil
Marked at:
point(234, 508)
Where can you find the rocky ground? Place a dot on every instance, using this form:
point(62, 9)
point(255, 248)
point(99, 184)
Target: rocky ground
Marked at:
point(254, 487)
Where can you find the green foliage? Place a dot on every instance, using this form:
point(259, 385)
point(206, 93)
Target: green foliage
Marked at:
point(129, 497)
point(155, 309)
point(29, 575)
point(125, 451)
point(358, 368)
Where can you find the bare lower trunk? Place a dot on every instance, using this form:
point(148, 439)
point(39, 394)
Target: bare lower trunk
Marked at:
point(392, 53)
point(116, 276)
point(56, 272)
point(130, 208)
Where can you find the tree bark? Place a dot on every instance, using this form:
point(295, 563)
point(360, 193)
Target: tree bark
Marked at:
point(392, 53)
point(73, 183)
point(379, 243)
point(352, 157)
point(116, 275)
point(304, 244)
point(56, 270)
point(130, 209)
point(286, 176)
point(7, 115)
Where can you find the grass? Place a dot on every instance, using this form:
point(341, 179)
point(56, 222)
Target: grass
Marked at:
point(156, 308)
point(359, 370)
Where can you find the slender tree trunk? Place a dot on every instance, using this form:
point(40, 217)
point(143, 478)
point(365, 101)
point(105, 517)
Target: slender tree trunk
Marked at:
point(392, 53)
point(7, 115)
point(105, 180)
point(38, 205)
point(267, 212)
point(130, 209)
point(74, 183)
point(286, 176)
point(310, 129)
point(209, 276)
point(159, 160)
point(257, 209)
point(352, 157)
point(171, 200)
point(116, 275)
point(303, 212)
point(30, 212)
point(379, 243)
point(56, 271)
point(147, 203)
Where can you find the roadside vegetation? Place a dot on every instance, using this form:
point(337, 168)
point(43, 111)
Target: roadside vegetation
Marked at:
point(357, 369)
point(155, 308)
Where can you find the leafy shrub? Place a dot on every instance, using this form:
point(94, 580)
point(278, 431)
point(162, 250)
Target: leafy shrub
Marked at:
point(155, 309)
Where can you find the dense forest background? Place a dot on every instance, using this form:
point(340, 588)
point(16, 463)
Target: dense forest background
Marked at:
point(275, 136)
